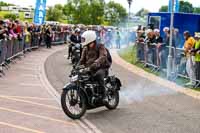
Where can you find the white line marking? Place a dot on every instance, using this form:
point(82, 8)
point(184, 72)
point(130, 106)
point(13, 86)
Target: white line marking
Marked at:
point(55, 94)
point(20, 127)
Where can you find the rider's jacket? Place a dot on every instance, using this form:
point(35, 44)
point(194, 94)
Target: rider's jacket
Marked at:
point(75, 39)
point(95, 58)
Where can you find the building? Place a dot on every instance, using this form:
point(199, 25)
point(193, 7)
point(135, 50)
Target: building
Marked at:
point(17, 8)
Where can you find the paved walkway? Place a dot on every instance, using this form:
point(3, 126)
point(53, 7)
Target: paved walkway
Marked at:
point(26, 104)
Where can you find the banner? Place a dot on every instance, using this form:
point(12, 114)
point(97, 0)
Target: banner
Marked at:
point(40, 11)
point(176, 6)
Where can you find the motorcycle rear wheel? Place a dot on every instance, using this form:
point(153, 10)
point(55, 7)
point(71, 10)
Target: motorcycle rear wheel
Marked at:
point(66, 108)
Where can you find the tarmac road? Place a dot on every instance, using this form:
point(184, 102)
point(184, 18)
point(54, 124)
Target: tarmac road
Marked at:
point(145, 107)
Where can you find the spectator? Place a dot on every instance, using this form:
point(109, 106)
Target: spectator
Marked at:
point(139, 28)
point(177, 38)
point(151, 41)
point(196, 52)
point(48, 37)
point(165, 30)
point(108, 40)
point(140, 45)
point(159, 39)
point(159, 43)
point(27, 36)
point(189, 44)
point(12, 30)
point(118, 39)
point(2, 30)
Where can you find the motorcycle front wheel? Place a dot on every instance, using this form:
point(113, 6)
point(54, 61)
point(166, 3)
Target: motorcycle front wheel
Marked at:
point(73, 103)
point(113, 100)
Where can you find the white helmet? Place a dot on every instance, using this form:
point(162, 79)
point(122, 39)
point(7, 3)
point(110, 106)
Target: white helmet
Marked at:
point(77, 30)
point(88, 37)
point(157, 30)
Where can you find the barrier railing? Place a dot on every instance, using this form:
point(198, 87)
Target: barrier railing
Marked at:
point(155, 57)
point(11, 48)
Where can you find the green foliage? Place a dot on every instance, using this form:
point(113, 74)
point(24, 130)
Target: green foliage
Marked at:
point(92, 12)
point(115, 13)
point(10, 16)
point(197, 10)
point(142, 12)
point(5, 4)
point(186, 7)
point(96, 11)
point(129, 54)
point(163, 9)
point(54, 14)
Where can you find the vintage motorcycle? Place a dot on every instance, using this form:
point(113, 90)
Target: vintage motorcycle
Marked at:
point(76, 53)
point(83, 93)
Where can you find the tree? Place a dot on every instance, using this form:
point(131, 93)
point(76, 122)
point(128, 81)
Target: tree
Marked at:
point(58, 6)
point(197, 10)
point(96, 11)
point(93, 12)
point(5, 4)
point(163, 9)
point(10, 16)
point(186, 7)
point(115, 13)
point(54, 14)
point(142, 12)
point(82, 11)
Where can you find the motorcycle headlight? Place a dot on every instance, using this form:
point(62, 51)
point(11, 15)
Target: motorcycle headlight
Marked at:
point(78, 51)
point(74, 78)
point(78, 46)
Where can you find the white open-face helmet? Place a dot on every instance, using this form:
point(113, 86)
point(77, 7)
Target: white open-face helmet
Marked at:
point(88, 37)
point(77, 30)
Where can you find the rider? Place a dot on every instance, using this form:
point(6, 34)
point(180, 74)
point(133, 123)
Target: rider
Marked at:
point(75, 38)
point(94, 57)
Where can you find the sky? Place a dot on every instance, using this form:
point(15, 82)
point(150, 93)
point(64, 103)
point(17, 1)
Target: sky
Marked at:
point(151, 5)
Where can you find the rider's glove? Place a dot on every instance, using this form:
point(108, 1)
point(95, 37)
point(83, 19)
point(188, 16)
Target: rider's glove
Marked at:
point(94, 66)
point(85, 70)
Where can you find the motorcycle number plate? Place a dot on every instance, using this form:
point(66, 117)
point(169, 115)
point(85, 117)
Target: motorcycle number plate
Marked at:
point(74, 78)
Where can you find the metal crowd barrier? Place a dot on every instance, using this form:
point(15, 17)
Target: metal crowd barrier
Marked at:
point(59, 37)
point(10, 49)
point(156, 59)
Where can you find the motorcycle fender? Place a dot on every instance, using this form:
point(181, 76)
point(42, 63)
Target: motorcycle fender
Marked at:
point(118, 82)
point(74, 86)
point(69, 85)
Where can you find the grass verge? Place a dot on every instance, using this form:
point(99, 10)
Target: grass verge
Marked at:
point(129, 55)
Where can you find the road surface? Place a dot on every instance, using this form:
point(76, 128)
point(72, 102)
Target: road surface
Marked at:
point(145, 106)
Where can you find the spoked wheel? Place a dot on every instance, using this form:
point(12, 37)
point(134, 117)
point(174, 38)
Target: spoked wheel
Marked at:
point(73, 103)
point(113, 100)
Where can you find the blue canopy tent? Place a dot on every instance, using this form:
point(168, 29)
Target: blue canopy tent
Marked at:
point(182, 21)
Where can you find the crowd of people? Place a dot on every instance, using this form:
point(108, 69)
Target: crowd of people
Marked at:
point(111, 36)
point(151, 46)
point(154, 48)
point(28, 32)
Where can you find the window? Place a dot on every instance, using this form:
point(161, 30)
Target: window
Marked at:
point(155, 21)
